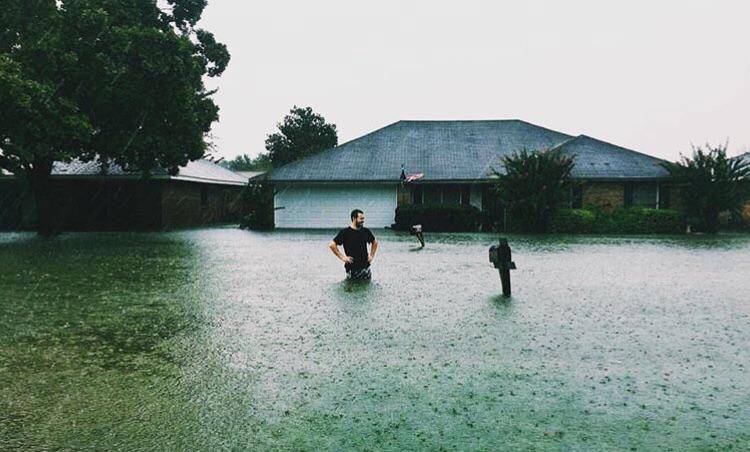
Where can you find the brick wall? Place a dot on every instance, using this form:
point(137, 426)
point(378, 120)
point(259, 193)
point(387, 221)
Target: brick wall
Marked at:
point(190, 204)
point(607, 195)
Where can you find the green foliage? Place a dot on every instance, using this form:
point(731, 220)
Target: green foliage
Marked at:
point(301, 134)
point(438, 218)
point(711, 183)
point(117, 81)
point(624, 220)
point(577, 221)
point(257, 202)
point(532, 185)
point(246, 163)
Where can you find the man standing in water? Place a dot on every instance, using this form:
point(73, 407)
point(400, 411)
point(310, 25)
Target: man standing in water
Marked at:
point(355, 238)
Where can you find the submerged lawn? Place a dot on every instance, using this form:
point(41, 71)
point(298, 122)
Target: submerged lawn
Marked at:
point(226, 339)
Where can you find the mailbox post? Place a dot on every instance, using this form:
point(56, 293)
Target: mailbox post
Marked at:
point(500, 256)
point(416, 230)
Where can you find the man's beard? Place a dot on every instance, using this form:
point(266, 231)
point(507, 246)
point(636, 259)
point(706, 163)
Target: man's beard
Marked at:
point(359, 225)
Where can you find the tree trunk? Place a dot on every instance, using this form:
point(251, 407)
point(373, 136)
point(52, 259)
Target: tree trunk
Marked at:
point(46, 224)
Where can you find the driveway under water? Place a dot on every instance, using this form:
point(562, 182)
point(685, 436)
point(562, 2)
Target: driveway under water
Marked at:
point(228, 339)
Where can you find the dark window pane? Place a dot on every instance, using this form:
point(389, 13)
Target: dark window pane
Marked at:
point(432, 194)
point(628, 194)
point(466, 194)
point(644, 195)
point(416, 194)
point(451, 194)
point(576, 197)
point(664, 197)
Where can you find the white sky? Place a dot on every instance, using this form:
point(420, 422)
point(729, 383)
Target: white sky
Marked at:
point(651, 75)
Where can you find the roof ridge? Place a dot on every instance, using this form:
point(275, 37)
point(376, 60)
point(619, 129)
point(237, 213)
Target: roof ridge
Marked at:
point(583, 135)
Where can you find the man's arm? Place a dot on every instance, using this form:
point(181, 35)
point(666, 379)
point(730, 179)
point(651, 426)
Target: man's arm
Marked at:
point(335, 248)
point(373, 250)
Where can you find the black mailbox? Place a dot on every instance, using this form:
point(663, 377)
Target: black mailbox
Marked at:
point(501, 258)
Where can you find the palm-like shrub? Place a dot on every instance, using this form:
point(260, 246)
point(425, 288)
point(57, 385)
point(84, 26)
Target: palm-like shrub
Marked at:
point(710, 183)
point(532, 185)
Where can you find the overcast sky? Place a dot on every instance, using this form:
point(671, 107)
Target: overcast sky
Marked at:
point(651, 75)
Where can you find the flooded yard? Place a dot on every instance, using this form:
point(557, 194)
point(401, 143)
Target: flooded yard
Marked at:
point(227, 339)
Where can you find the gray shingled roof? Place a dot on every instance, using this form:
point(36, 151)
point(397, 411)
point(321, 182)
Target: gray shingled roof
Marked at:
point(457, 150)
point(196, 171)
point(596, 159)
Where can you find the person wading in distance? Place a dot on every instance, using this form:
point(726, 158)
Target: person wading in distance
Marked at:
point(355, 238)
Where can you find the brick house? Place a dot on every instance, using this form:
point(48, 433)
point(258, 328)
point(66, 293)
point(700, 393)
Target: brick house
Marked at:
point(90, 197)
point(456, 160)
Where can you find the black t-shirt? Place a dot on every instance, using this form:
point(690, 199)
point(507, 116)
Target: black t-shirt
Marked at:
point(355, 245)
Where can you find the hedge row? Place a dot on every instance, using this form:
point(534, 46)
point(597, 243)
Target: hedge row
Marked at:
point(619, 221)
point(438, 218)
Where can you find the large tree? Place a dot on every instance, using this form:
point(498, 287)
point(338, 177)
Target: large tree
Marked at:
point(710, 183)
point(301, 134)
point(119, 81)
point(244, 162)
point(532, 185)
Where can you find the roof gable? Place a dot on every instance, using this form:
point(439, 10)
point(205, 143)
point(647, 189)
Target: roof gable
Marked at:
point(597, 159)
point(442, 150)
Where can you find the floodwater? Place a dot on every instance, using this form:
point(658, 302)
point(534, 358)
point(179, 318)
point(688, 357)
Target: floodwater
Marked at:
point(224, 339)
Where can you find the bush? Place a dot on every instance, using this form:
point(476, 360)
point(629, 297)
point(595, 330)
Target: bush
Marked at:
point(578, 221)
point(257, 203)
point(633, 220)
point(531, 185)
point(438, 218)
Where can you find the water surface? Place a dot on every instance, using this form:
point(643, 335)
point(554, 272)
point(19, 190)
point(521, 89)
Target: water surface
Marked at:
point(228, 339)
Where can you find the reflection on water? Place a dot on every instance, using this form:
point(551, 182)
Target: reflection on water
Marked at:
point(216, 339)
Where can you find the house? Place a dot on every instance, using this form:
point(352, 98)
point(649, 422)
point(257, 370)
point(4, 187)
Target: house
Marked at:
point(91, 196)
point(456, 159)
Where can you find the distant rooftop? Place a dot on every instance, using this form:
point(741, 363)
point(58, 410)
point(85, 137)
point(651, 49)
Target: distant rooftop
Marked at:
point(462, 151)
point(203, 171)
point(251, 174)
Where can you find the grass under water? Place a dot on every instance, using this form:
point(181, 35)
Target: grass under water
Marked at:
point(228, 339)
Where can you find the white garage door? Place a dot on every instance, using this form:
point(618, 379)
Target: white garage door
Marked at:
point(329, 206)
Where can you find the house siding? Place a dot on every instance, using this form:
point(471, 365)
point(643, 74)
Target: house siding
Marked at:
point(329, 206)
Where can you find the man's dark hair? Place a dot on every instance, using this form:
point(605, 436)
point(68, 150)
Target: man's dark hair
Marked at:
point(355, 213)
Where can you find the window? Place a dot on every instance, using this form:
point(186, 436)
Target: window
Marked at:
point(416, 194)
point(204, 197)
point(451, 194)
point(433, 194)
point(466, 195)
point(576, 197)
point(640, 194)
point(664, 197)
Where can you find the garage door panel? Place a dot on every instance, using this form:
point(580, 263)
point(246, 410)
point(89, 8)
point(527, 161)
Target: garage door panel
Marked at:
point(329, 206)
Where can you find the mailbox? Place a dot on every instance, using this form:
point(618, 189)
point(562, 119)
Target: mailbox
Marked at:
point(501, 258)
